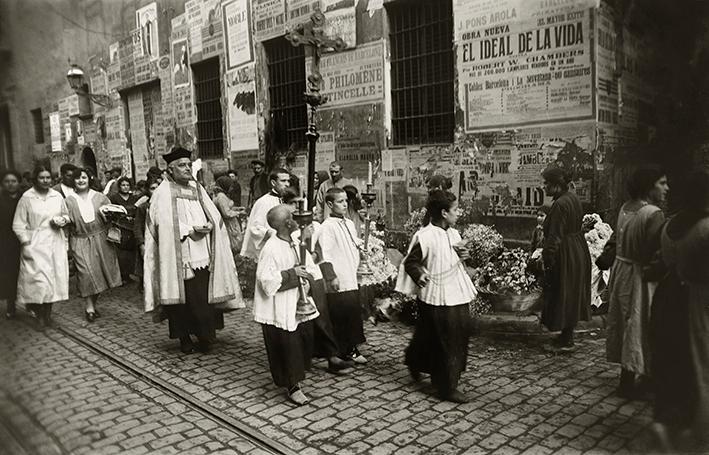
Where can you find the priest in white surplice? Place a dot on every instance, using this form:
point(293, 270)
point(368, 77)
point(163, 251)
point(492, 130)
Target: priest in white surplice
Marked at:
point(257, 229)
point(188, 267)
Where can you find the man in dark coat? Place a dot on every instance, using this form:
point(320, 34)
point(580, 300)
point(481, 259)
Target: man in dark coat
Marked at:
point(259, 183)
point(567, 262)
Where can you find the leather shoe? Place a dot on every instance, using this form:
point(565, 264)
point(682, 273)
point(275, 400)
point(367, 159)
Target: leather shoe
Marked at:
point(456, 397)
point(186, 345)
point(90, 316)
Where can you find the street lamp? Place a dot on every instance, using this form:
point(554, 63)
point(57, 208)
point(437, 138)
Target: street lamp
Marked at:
point(78, 84)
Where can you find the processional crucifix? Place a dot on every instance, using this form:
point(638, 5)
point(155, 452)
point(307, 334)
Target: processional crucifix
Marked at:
point(311, 34)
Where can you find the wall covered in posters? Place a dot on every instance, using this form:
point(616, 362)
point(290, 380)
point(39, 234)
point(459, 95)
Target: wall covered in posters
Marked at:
point(528, 94)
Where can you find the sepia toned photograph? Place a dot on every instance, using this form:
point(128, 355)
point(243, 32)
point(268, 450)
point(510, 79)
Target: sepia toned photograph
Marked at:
point(354, 227)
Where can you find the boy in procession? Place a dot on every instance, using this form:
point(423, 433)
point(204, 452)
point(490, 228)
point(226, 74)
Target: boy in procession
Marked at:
point(280, 306)
point(433, 272)
point(338, 243)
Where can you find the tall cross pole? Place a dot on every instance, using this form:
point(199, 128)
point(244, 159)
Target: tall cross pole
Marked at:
point(311, 35)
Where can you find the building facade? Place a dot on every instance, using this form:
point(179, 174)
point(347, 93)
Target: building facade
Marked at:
point(487, 93)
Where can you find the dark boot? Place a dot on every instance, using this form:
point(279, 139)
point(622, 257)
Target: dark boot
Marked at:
point(186, 345)
point(626, 388)
point(47, 316)
point(10, 309)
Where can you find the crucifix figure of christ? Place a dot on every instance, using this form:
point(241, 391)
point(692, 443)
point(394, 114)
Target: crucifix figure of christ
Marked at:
point(311, 35)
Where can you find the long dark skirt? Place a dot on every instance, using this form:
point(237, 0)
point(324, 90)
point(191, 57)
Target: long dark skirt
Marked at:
point(289, 353)
point(346, 317)
point(196, 316)
point(324, 341)
point(439, 346)
point(669, 341)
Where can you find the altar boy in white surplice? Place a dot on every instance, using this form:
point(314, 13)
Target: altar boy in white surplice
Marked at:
point(338, 244)
point(433, 272)
point(284, 316)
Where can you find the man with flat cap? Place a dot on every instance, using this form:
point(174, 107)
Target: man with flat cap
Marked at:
point(189, 270)
point(258, 185)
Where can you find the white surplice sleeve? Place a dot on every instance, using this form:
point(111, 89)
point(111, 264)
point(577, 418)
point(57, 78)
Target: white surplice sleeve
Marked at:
point(268, 274)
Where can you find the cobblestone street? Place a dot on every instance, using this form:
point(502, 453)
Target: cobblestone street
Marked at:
point(59, 396)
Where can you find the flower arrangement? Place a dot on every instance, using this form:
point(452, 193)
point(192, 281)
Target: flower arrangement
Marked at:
point(382, 268)
point(507, 274)
point(597, 234)
point(246, 269)
point(415, 222)
point(484, 243)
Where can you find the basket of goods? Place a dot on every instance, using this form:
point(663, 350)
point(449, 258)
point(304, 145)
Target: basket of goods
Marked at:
point(507, 285)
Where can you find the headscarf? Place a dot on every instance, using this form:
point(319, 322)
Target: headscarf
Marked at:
point(223, 184)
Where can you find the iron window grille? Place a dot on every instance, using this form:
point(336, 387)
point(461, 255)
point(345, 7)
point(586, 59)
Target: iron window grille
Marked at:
point(286, 85)
point(421, 38)
point(207, 90)
point(38, 125)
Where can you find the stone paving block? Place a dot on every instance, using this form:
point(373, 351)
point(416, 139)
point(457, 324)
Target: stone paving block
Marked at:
point(493, 441)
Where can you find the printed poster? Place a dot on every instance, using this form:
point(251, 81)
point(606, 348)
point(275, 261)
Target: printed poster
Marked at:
point(325, 151)
point(355, 153)
point(299, 12)
point(127, 61)
point(168, 113)
point(99, 83)
point(212, 41)
point(237, 33)
point(394, 165)
point(269, 19)
point(183, 107)
point(146, 21)
point(180, 63)
point(113, 52)
point(193, 11)
point(342, 23)
point(606, 81)
point(138, 134)
point(55, 131)
point(522, 63)
point(354, 76)
point(241, 109)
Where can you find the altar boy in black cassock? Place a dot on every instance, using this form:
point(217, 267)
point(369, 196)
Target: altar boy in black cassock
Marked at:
point(338, 243)
point(287, 328)
point(434, 273)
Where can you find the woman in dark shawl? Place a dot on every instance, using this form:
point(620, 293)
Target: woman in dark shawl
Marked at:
point(680, 324)
point(567, 262)
point(9, 245)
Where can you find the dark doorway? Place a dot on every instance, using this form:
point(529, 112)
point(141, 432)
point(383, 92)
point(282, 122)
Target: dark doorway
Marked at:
point(88, 159)
point(6, 157)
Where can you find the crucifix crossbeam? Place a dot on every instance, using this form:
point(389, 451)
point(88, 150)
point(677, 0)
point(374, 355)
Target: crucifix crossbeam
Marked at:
point(312, 36)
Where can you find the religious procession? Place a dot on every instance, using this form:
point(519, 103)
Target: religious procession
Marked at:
point(354, 226)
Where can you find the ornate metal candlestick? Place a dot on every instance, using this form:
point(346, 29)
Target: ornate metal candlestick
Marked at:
point(304, 218)
point(368, 197)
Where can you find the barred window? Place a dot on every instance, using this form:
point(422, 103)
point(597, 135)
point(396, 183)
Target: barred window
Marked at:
point(286, 85)
point(423, 107)
point(207, 91)
point(38, 125)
